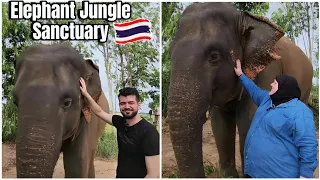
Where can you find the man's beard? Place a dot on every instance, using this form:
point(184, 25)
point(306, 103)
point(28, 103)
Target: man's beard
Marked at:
point(134, 113)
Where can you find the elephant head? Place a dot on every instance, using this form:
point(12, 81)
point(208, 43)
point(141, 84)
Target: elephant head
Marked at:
point(209, 38)
point(50, 105)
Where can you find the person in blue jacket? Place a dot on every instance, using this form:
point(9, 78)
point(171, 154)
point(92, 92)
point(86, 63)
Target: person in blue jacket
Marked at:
point(281, 141)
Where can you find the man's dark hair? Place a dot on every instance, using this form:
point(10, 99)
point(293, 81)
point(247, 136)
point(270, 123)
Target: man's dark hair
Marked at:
point(127, 91)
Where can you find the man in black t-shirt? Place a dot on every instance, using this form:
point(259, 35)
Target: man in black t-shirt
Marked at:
point(138, 140)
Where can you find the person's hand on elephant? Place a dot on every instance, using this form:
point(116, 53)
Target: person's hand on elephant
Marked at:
point(83, 87)
point(93, 105)
point(238, 69)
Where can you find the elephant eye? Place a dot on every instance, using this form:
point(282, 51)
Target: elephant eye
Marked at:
point(214, 57)
point(67, 102)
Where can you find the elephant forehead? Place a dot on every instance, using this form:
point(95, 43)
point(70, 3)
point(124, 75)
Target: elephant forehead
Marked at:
point(48, 74)
point(195, 28)
point(42, 75)
point(64, 75)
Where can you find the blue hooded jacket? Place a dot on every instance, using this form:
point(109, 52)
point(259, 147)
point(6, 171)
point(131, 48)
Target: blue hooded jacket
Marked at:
point(281, 141)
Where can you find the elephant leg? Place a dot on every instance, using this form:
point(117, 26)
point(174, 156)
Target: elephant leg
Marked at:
point(224, 128)
point(76, 156)
point(91, 166)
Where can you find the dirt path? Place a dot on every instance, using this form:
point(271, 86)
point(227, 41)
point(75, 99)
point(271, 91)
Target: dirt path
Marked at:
point(104, 168)
point(210, 152)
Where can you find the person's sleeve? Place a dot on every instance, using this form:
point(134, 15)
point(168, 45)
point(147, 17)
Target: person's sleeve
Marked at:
point(151, 142)
point(118, 121)
point(306, 141)
point(255, 92)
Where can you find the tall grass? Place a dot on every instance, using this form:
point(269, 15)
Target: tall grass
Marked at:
point(9, 121)
point(107, 145)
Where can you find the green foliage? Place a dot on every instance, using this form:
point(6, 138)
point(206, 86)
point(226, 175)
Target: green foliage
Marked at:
point(147, 117)
point(299, 21)
point(314, 104)
point(9, 120)
point(296, 18)
point(15, 38)
point(257, 8)
point(107, 145)
point(170, 15)
point(174, 174)
point(288, 20)
point(134, 64)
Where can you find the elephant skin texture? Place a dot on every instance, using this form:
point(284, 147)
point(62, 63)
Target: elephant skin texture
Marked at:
point(210, 37)
point(53, 116)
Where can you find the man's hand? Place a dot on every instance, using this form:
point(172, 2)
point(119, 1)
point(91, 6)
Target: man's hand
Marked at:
point(93, 105)
point(83, 87)
point(238, 69)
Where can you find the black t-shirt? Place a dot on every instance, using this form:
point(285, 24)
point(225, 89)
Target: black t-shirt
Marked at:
point(134, 143)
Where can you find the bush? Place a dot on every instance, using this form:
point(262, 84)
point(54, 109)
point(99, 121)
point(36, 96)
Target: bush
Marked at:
point(147, 117)
point(107, 145)
point(9, 121)
point(314, 104)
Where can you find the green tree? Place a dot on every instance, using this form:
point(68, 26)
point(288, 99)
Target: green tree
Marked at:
point(171, 12)
point(257, 8)
point(299, 21)
point(15, 38)
point(135, 64)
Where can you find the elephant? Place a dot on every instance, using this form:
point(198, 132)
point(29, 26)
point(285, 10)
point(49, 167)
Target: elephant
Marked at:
point(209, 38)
point(53, 116)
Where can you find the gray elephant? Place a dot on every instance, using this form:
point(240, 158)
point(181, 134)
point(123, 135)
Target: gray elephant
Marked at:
point(210, 37)
point(52, 114)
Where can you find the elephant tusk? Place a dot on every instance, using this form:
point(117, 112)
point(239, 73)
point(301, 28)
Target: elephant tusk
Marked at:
point(241, 92)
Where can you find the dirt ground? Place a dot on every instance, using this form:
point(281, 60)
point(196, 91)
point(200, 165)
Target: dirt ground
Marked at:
point(210, 152)
point(104, 168)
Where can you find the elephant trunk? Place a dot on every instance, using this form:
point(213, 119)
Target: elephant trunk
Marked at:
point(37, 152)
point(186, 115)
point(39, 137)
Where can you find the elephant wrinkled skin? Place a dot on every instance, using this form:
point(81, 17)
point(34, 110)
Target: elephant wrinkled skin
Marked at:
point(53, 116)
point(210, 37)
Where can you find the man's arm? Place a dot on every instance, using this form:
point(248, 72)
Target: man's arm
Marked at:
point(151, 147)
point(97, 110)
point(305, 139)
point(153, 166)
point(93, 105)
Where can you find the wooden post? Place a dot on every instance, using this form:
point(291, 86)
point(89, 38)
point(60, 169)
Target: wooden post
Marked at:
point(156, 117)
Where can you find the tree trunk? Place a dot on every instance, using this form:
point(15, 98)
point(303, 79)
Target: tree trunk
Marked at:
point(308, 28)
point(129, 70)
point(108, 73)
point(122, 81)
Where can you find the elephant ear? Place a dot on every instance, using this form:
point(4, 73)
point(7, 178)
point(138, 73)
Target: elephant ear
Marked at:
point(93, 85)
point(259, 36)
